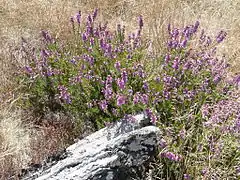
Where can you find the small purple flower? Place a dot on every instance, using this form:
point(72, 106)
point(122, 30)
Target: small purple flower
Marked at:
point(204, 171)
point(236, 80)
point(238, 170)
point(117, 65)
point(167, 58)
point(151, 115)
point(176, 63)
point(49, 72)
point(145, 86)
point(136, 98)
point(171, 156)
point(157, 79)
point(205, 110)
point(196, 26)
point(103, 105)
point(44, 53)
point(108, 92)
point(144, 98)
point(184, 43)
point(163, 143)
point(221, 36)
point(124, 76)
point(121, 100)
point(187, 65)
point(107, 124)
point(28, 69)
point(47, 37)
point(115, 112)
point(109, 79)
point(84, 37)
point(64, 94)
point(73, 61)
point(217, 79)
point(186, 176)
point(89, 20)
point(91, 41)
point(209, 41)
point(130, 91)
point(166, 94)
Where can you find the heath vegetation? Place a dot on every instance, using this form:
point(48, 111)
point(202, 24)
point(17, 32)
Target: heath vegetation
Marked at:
point(175, 63)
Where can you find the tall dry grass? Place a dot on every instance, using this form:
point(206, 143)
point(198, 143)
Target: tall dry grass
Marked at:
point(25, 18)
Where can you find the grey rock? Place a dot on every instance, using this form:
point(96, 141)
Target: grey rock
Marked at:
point(119, 151)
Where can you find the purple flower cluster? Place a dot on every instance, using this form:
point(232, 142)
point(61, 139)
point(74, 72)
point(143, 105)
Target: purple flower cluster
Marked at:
point(151, 115)
point(171, 156)
point(140, 98)
point(179, 38)
point(64, 94)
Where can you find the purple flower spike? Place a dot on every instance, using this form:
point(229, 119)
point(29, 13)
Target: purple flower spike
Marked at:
point(167, 58)
point(196, 26)
point(121, 100)
point(121, 83)
point(144, 99)
point(78, 17)
point(184, 43)
point(95, 14)
point(124, 76)
point(176, 63)
point(217, 79)
point(28, 69)
point(140, 22)
point(151, 115)
point(89, 19)
point(64, 94)
point(136, 98)
point(117, 65)
point(84, 37)
point(221, 36)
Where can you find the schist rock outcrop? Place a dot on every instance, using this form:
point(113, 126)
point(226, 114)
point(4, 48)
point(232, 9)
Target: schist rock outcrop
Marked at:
point(120, 151)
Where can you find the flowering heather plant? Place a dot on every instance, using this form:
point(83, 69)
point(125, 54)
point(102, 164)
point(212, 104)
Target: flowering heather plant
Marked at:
point(96, 68)
point(101, 76)
point(196, 107)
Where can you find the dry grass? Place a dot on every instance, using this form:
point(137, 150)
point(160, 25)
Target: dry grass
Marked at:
point(23, 143)
point(14, 143)
point(27, 17)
